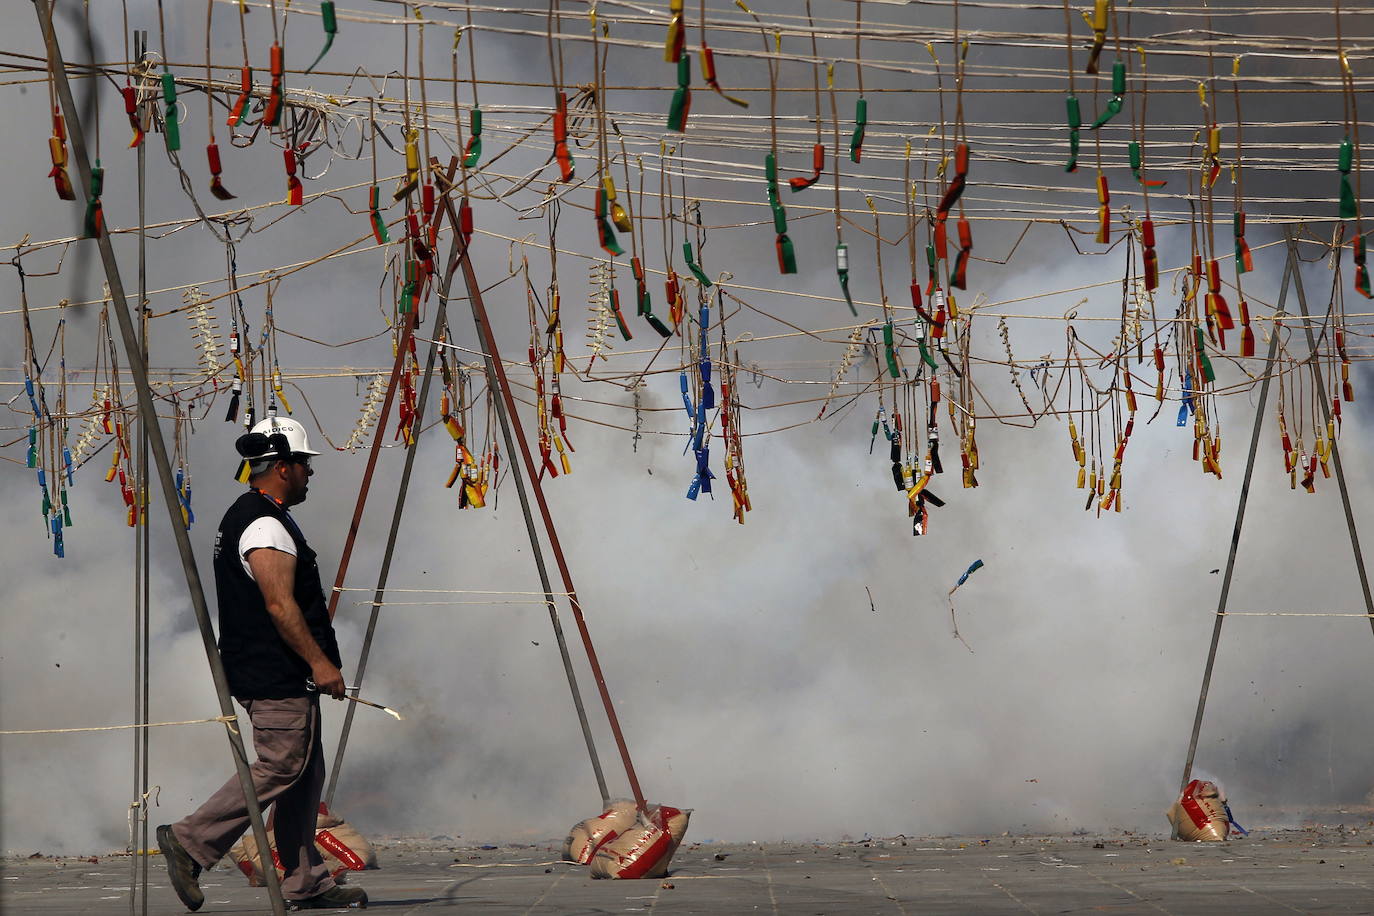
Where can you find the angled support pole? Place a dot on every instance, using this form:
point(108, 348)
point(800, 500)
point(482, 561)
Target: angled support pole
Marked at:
point(407, 327)
point(1292, 272)
point(458, 249)
point(404, 487)
point(148, 414)
point(536, 548)
point(519, 444)
point(1289, 274)
point(1335, 449)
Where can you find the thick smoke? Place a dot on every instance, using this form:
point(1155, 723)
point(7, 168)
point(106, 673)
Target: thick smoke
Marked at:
point(754, 680)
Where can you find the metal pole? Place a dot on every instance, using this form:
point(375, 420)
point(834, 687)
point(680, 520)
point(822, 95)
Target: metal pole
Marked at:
point(135, 847)
point(506, 408)
point(396, 511)
point(537, 550)
point(406, 328)
point(145, 711)
point(137, 838)
point(141, 560)
point(535, 547)
point(1326, 416)
point(141, 601)
point(440, 319)
point(148, 413)
point(1235, 531)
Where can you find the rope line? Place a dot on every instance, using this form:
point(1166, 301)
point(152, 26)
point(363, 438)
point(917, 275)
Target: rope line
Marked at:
point(228, 722)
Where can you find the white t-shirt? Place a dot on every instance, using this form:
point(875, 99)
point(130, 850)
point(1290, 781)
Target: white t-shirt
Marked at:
point(264, 532)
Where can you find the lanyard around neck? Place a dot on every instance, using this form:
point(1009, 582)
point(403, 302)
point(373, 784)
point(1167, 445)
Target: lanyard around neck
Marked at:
point(281, 505)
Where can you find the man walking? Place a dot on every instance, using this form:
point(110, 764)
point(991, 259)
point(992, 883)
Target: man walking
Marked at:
point(279, 652)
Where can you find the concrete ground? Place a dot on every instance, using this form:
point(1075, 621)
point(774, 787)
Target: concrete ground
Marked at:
point(1311, 870)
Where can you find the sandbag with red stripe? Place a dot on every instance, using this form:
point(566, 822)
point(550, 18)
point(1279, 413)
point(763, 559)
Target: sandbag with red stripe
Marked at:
point(341, 846)
point(674, 821)
point(1200, 813)
point(644, 850)
point(582, 841)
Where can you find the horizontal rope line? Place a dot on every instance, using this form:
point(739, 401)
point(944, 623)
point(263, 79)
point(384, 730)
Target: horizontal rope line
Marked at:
point(1290, 614)
point(449, 591)
point(435, 604)
point(227, 720)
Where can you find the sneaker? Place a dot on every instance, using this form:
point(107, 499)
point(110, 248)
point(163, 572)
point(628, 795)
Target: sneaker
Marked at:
point(337, 897)
point(182, 869)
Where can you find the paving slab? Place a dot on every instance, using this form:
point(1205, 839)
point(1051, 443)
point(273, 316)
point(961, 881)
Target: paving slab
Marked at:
point(1302, 870)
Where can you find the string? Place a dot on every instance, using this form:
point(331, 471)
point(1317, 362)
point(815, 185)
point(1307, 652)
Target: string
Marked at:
point(228, 722)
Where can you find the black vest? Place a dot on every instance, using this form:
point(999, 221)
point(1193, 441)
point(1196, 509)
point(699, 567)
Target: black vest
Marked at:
point(258, 662)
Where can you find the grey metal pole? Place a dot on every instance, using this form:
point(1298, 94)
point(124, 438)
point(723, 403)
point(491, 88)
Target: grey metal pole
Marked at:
point(141, 559)
point(138, 839)
point(148, 413)
point(445, 283)
point(1235, 532)
point(1326, 415)
point(392, 533)
point(1336, 451)
point(144, 678)
point(494, 383)
point(506, 410)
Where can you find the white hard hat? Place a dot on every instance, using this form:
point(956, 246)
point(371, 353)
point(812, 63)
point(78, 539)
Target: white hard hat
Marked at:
point(258, 443)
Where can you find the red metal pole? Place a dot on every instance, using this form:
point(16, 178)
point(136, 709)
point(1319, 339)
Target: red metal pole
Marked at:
point(411, 318)
point(372, 461)
point(479, 315)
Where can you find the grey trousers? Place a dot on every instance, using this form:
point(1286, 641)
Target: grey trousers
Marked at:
point(290, 772)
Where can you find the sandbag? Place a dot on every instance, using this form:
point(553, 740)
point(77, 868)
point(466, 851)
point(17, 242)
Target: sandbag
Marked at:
point(675, 820)
point(1201, 813)
point(245, 855)
point(346, 845)
point(341, 846)
point(643, 850)
point(583, 840)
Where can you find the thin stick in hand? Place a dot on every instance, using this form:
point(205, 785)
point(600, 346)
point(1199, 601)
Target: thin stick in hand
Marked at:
point(385, 709)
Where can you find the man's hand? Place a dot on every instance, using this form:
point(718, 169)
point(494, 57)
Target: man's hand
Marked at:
point(328, 679)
